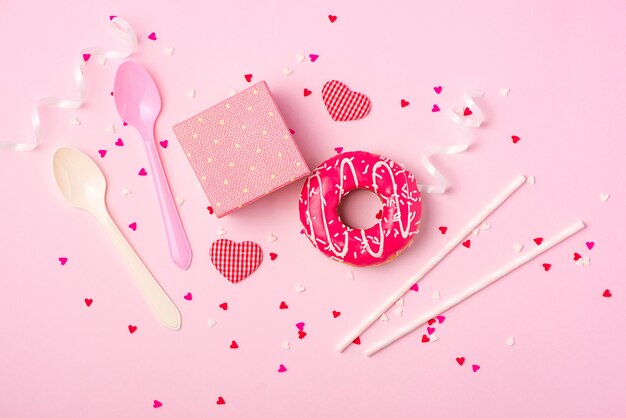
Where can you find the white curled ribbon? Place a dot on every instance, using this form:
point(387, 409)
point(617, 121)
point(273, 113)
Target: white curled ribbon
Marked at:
point(124, 31)
point(469, 101)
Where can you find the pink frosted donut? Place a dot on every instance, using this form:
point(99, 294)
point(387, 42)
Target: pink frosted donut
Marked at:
point(337, 176)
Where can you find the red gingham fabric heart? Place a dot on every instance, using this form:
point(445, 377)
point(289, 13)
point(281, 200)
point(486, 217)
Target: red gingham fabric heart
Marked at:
point(234, 260)
point(344, 104)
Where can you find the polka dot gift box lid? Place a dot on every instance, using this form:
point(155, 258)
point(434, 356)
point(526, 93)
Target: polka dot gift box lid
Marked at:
point(241, 149)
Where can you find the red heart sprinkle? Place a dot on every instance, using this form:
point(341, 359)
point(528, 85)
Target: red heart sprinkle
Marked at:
point(590, 244)
point(313, 57)
point(425, 338)
point(443, 229)
point(460, 360)
point(124, 123)
point(515, 138)
point(301, 334)
point(467, 111)
point(133, 226)
point(441, 318)
point(415, 288)
point(156, 404)
point(307, 92)
point(437, 89)
point(283, 305)
point(336, 314)
point(63, 260)
point(86, 57)
point(430, 330)
point(132, 329)
point(577, 256)
point(431, 321)
point(220, 401)
point(607, 293)
point(357, 340)
point(273, 256)
point(224, 306)
point(102, 152)
point(538, 241)
point(467, 243)
point(163, 143)
point(248, 77)
point(234, 345)
point(210, 209)
point(435, 109)
point(379, 214)
point(291, 131)
point(332, 18)
point(143, 172)
point(404, 103)
point(119, 142)
point(188, 296)
point(152, 36)
point(546, 266)
point(88, 302)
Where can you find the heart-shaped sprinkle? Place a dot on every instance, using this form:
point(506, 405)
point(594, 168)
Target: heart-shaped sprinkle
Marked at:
point(415, 287)
point(441, 318)
point(437, 89)
point(357, 340)
point(517, 247)
point(75, 122)
point(110, 129)
point(577, 256)
point(62, 260)
point(88, 302)
point(220, 401)
point(301, 334)
point(435, 109)
point(336, 314)
point(443, 230)
point(210, 209)
point(344, 104)
point(271, 238)
point(475, 367)
point(307, 92)
point(143, 172)
point(133, 226)
point(168, 51)
point(467, 243)
point(313, 57)
point(338, 150)
point(379, 214)
point(300, 58)
point(86, 57)
point(604, 196)
point(300, 326)
point(285, 345)
point(273, 256)
point(384, 318)
point(467, 111)
point(607, 293)
point(112, 17)
point(156, 404)
point(234, 345)
point(546, 266)
point(163, 143)
point(102, 152)
point(404, 103)
point(531, 180)
point(433, 338)
point(126, 192)
point(292, 132)
point(504, 92)
point(210, 322)
point(224, 306)
point(515, 138)
point(538, 241)
point(248, 77)
point(101, 60)
point(425, 338)
point(300, 288)
point(283, 305)
point(460, 360)
point(123, 123)
point(332, 18)
point(235, 261)
point(152, 36)
point(430, 330)
point(179, 201)
point(510, 341)
point(190, 93)
point(287, 71)
point(590, 244)
point(188, 296)
point(282, 368)
point(221, 231)
point(132, 329)
point(436, 295)
point(431, 321)
point(350, 275)
point(119, 142)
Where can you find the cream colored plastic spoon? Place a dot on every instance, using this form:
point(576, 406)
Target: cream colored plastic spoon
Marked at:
point(82, 183)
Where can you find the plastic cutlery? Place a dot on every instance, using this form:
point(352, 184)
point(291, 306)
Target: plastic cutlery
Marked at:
point(138, 103)
point(82, 183)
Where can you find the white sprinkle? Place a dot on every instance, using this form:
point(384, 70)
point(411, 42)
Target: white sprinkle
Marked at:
point(169, 51)
point(232, 92)
point(485, 225)
point(210, 322)
point(518, 247)
point(384, 318)
point(436, 295)
point(271, 238)
point(531, 180)
point(400, 302)
point(476, 231)
point(350, 275)
point(287, 71)
point(126, 192)
point(101, 60)
point(300, 288)
point(504, 92)
point(604, 196)
point(191, 93)
point(285, 345)
point(179, 201)
point(221, 231)
point(75, 122)
point(510, 341)
point(299, 58)
point(398, 311)
point(433, 338)
point(583, 261)
point(110, 129)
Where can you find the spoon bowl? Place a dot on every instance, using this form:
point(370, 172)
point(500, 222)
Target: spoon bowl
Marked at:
point(79, 179)
point(136, 95)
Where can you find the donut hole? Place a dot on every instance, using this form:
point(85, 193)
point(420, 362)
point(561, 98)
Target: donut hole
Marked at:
point(358, 209)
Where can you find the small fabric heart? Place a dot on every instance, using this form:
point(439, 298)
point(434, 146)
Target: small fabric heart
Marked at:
point(236, 261)
point(344, 104)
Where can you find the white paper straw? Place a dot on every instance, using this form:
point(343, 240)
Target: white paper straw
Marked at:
point(463, 233)
point(477, 287)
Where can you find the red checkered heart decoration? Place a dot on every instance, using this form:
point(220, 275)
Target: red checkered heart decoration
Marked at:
point(236, 260)
point(344, 104)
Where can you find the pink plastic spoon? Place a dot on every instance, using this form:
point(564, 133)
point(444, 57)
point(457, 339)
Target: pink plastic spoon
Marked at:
point(138, 103)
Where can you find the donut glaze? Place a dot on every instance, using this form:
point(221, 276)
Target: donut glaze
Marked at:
point(334, 178)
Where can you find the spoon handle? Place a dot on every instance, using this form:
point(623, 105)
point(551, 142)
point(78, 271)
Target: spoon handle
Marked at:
point(180, 250)
point(161, 305)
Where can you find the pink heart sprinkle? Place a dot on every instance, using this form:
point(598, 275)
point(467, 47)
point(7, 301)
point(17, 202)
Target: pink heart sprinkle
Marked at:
point(163, 143)
point(313, 57)
point(437, 89)
point(590, 244)
point(435, 108)
point(430, 330)
point(143, 172)
point(156, 404)
point(282, 368)
point(152, 36)
point(112, 17)
point(441, 318)
point(475, 367)
point(133, 226)
point(415, 288)
point(339, 150)
point(124, 123)
point(86, 57)
point(63, 260)
point(188, 296)
point(119, 142)
point(300, 326)
point(102, 152)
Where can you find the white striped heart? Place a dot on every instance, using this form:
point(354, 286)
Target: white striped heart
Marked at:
point(236, 261)
point(344, 104)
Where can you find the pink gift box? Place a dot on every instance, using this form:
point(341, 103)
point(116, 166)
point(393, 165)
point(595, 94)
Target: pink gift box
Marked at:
point(241, 149)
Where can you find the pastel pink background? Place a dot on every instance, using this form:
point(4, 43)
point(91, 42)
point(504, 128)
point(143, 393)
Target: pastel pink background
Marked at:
point(564, 63)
